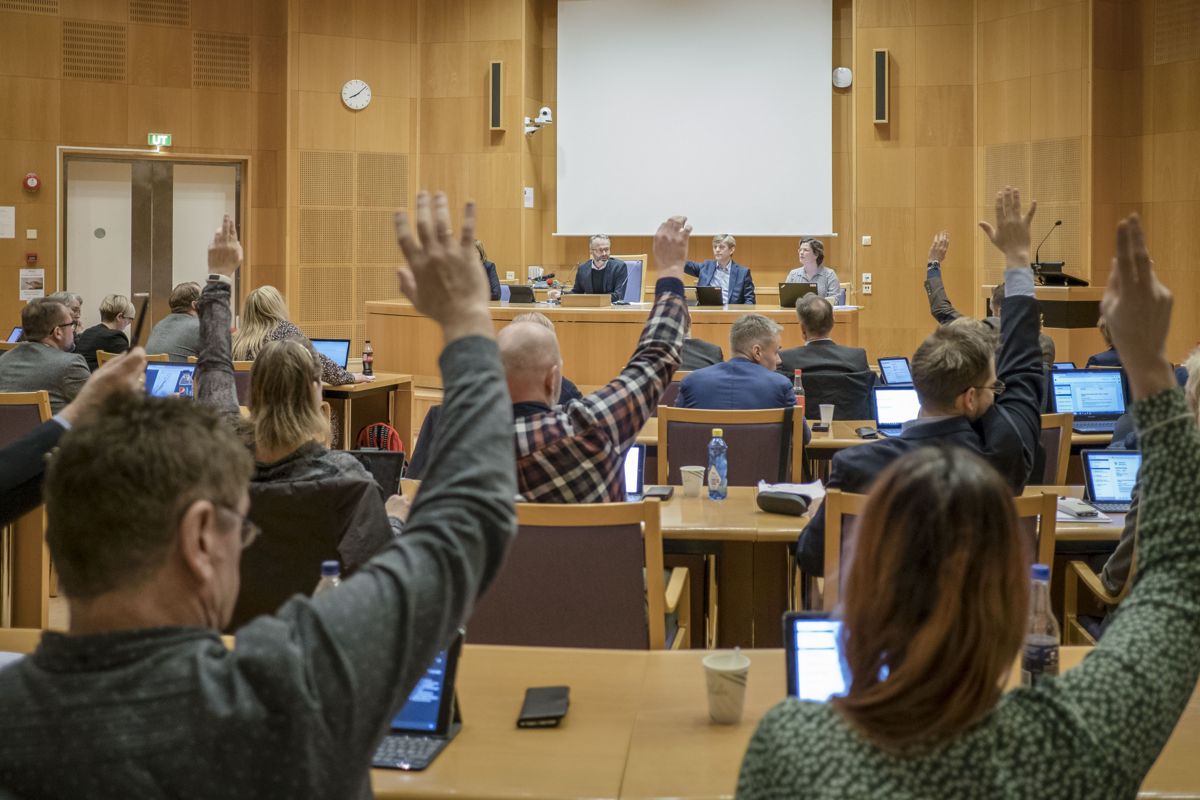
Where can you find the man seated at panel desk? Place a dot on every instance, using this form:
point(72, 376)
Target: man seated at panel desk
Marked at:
point(601, 274)
point(737, 285)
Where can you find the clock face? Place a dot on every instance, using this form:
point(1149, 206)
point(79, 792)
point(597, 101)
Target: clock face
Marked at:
point(356, 95)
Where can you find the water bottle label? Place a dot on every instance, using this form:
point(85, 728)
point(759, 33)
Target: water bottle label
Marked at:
point(714, 478)
point(1038, 661)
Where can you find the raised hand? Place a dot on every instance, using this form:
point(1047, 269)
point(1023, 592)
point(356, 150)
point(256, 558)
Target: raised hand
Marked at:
point(1011, 232)
point(120, 375)
point(941, 243)
point(225, 252)
point(1137, 312)
point(444, 278)
point(670, 247)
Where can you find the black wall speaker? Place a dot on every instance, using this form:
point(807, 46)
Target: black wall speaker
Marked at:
point(496, 96)
point(881, 87)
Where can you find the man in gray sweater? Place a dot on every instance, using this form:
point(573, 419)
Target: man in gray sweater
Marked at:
point(147, 523)
point(178, 333)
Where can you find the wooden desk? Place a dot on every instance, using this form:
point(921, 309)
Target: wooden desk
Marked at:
point(1081, 530)
point(389, 397)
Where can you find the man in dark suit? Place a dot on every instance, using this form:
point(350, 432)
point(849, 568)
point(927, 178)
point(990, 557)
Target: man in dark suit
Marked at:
point(748, 380)
point(44, 360)
point(737, 285)
point(962, 402)
point(1105, 358)
point(698, 354)
point(601, 274)
point(820, 353)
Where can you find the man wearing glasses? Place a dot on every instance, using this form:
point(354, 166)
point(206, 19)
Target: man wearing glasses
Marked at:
point(44, 360)
point(971, 396)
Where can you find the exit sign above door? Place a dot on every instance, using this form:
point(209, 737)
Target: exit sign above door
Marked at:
point(159, 139)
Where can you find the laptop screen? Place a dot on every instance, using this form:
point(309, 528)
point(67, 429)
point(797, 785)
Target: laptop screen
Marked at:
point(815, 670)
point(895, 370)
point(15, 335)
point(1089, 393)
point(635, 462)
point(1111, 474)
point(336, 350)
point(163, 380)
point(895, 406)
point(1064, 365)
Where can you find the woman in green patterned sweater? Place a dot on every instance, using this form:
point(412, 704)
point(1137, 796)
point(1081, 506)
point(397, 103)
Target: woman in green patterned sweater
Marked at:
point(936, 601)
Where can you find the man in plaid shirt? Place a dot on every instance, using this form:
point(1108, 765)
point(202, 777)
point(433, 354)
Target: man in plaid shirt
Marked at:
point(575, 453)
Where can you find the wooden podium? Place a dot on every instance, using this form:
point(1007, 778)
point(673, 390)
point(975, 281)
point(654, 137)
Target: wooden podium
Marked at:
point(1069, 315)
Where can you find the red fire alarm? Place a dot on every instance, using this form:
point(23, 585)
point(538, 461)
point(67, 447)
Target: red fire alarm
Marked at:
point(31, 258)
point(32, 182)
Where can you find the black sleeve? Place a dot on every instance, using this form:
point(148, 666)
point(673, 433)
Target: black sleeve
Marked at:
point(1019, 366)
point(493, 279)
point(939, 304)
point(22, 468)
point(580, 271)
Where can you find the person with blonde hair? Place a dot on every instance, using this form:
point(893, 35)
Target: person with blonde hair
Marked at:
point(735, 281)
point(116, 312)
point(265, 319)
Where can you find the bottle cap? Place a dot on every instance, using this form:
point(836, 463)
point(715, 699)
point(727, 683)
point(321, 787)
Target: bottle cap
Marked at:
point(330, 569)
point(799, 371)
point(1041, 572)
point(718, 432)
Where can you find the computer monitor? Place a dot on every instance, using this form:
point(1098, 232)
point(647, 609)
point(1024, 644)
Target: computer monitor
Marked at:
point(15, 334)
point(895, 371)
point(1089, 394)
point(635, 465)
point(894, 406)
point(816, 670)
point(336, 350)
point(1111, 476)
point(165, 379)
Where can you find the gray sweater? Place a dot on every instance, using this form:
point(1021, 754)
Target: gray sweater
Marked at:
point(297, 709)
point(177, 335)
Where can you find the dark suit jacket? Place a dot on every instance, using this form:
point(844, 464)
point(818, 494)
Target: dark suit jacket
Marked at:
point(493, 279)
point(735, 384)
point(1006, 436)
point(610, 280)
point(1109, 358)
point(741, 283)
point(698, 354)
point(823, 355)
point(22, 467)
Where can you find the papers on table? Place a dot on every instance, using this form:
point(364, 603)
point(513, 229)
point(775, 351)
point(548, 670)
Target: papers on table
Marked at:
point(813, 491)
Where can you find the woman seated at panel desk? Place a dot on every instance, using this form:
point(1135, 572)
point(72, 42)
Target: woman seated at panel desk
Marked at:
point(811, 270)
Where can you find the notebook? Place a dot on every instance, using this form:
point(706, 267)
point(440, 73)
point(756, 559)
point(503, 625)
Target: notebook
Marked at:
point(895, 371)
point(1095, 396)
point(894, 406)
point(815, 668)
point(635, 465)
point(336, 350)
point(709, 296)
point(1110, 476)
point(164, 380)
point(429, 718)
point(15, 335)
point(790, 293)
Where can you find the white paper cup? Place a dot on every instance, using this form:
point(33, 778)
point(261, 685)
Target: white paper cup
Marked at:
point(726, 674)
point(826, 413)
point(693, 479)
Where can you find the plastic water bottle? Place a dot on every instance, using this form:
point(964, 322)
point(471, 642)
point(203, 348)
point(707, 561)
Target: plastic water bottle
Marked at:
point(718, 467)
point(798, 387)
point(1040, 656)
point(368, 358)
point(330, 577)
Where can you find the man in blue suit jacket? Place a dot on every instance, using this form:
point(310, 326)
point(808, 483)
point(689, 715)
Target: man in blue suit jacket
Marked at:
point(737, 285)
point(962, 403)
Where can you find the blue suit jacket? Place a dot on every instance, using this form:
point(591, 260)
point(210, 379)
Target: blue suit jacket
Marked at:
point(741, 284)
point(735, 384)
point(493, 280)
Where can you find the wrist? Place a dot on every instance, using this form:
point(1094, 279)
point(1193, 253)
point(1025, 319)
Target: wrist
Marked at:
point(1017, 258)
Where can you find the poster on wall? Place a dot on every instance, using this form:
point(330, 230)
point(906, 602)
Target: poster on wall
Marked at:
point(33, 283)
point(8, 222)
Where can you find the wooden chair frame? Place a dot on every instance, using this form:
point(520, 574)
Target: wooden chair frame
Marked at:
point(1044, 506)
point(40, 398)
point(1078, 572)
point(723, 418)
point(673, 597)
point(30, 566)
point(1063, 421)
point(103, 356)
point(238, 366)
point(645, 266)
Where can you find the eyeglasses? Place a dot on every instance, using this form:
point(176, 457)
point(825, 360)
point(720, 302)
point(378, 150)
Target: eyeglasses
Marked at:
point(997, 387)
point(250, 531)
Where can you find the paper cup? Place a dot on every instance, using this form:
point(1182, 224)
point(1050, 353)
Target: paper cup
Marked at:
point(693, 479)
point(726, 674)
point(826, 413)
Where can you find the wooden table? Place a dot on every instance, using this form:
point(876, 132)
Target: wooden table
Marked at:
point(1082, 530)
point(387, 398)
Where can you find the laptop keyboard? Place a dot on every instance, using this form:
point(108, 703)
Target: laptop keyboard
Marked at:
point(1116, 508)
point(1100, 426)
point(407, 752)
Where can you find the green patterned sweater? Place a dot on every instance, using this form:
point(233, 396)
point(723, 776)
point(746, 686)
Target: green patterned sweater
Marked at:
point(1094, 731)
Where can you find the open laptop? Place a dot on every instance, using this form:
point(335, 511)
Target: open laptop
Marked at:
point(709, 296)
point(1064, 365)
point(336, 350)
point(165, 379)
point(1095, 396)
point(520, 294)
point(15, 334)
point(790, 293)
point(1110, 476)
point(635, 466)
point(429, 718)
point(894, 406)
point(895, 371)
point(812, 644)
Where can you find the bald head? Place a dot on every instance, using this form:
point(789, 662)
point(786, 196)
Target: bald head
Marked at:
point(532, 362)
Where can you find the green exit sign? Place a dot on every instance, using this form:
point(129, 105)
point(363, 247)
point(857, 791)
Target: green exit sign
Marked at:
point(159, 139)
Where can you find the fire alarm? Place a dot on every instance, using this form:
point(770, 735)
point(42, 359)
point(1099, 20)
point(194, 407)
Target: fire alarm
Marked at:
point(31, 258)
point(32, 182)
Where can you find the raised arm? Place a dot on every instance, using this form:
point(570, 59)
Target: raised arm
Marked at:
point(214, 382)
point(939, 304)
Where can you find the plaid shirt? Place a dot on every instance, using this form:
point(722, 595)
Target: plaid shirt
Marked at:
point(575, 453)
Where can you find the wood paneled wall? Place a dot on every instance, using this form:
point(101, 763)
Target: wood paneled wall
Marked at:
point(146, 81)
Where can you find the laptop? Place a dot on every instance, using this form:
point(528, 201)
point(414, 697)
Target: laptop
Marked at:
point(709, 296)
point(895, 371)
point(816, 670)
point(15, 335)
point(790, 293)
point(1110, 476)
point(1095, 396)
point(336, 350)
point(428, 720)
point(1064, 365)
point(894, 406)
point(164, 379)
point(520, 294)
point(635, 465)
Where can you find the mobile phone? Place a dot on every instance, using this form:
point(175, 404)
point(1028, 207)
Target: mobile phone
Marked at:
point(867, 433)
point(659, 492)
point(820, 427)
point(141, 319)
point(544, 706)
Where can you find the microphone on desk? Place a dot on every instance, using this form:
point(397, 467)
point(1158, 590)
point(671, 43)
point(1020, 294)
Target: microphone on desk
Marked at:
point(1037, 255)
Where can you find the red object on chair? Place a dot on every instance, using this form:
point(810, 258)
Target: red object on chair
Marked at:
point(381, 436)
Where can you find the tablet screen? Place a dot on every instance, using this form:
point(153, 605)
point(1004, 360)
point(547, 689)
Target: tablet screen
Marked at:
point(815, 668)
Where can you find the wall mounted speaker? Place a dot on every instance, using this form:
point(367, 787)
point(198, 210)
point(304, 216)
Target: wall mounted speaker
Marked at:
point(496, 96)
point(881, 87)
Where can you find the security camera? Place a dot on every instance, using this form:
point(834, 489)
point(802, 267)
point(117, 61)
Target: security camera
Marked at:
point(546, 116)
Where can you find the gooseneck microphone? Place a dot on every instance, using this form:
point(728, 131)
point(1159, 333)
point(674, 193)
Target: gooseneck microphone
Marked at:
point(1037, 259)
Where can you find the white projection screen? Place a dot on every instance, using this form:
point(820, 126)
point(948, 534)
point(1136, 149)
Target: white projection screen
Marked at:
point(713, 108)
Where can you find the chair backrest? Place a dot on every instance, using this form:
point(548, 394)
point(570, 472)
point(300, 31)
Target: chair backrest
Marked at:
point(505, 292)
point(754, 439)
point(21, 412)
point(573, 577)
point(1037, 516)
point(1056, 442)
point(849, 392)
point(635, 287)
point(672, 391)
point(103, 356)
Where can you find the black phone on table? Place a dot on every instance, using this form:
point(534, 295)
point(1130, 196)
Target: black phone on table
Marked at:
point(544, 706)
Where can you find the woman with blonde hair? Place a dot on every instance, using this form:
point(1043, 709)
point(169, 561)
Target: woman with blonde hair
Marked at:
point(116, 312)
